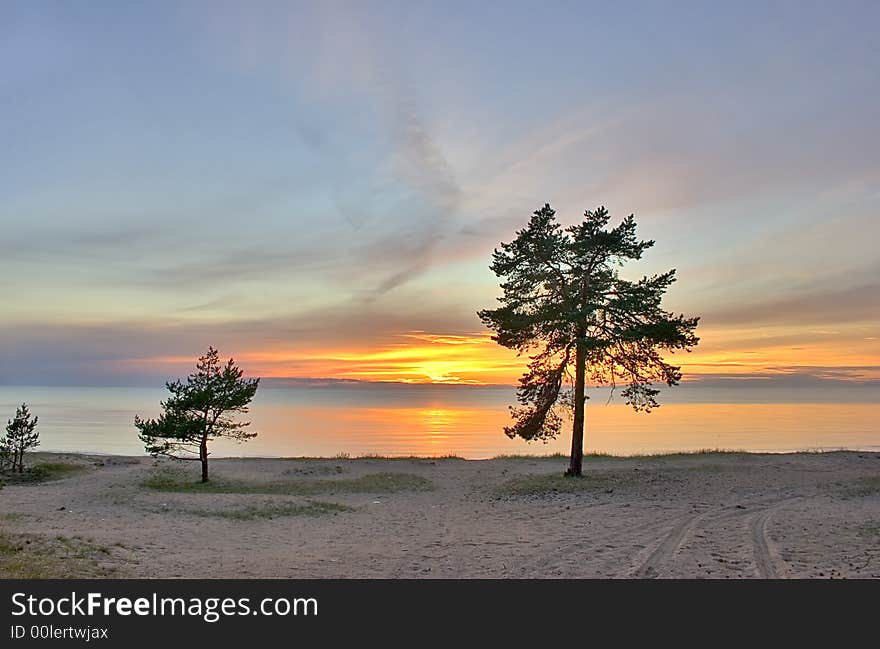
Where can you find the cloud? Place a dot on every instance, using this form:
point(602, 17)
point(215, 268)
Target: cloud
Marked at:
point(841, 304)
point(845, 377)
point(360, 208)
point(405, 230)
point(389, 179)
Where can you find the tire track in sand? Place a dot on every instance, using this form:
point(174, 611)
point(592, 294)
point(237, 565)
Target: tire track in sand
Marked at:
point(668, 547)
point(675, 538)
point(764, 562)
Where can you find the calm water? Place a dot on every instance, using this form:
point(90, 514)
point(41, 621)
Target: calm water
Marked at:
point(438, 420)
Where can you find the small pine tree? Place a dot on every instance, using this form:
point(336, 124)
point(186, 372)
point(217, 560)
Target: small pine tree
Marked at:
point(200, 410)
point(21, 435)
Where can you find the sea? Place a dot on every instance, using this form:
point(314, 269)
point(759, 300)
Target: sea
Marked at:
point(354, 419)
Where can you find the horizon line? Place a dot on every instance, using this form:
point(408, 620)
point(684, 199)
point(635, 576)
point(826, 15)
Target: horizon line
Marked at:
point(701, 380)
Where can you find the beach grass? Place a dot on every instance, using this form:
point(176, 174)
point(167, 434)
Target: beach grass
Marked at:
point(522, 456)
point(268, 510)
point(860, 488)
point(28, 556)
point(346, 457)
point(870, 529)
point(45, 472)
point(696, 454)
point(553, 483)
point(385, 482)
point(700, 453)
point(379, 456)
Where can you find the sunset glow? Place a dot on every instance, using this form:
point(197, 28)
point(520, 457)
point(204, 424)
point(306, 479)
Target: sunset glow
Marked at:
point(420, 357)
point(417, 357)
point(383, 290)
point(317, 190)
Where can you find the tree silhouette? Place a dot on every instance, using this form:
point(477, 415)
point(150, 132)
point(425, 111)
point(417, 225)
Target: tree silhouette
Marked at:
point(563, 298)
point(21, 436)
point(200, 410)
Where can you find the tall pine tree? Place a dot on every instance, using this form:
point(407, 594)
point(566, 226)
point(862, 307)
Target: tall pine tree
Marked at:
point(565, 304)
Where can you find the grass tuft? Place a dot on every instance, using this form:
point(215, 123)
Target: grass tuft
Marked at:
point(27, 556)
point(45, 472)
point(524, 456)
point(552, 483)
point(370, 483)
point(871, 529)
point(860, 488)
point(268, 510)
point(637, 456)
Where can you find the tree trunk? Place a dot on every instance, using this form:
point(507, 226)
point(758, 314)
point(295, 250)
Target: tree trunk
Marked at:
point(203, 456)
point(577, 432)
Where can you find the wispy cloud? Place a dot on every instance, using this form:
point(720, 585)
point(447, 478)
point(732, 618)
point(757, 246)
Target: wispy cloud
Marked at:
point(843, 304)
point(333, 177)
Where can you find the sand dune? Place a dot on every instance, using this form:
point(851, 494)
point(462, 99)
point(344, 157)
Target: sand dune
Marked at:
point(708, 515)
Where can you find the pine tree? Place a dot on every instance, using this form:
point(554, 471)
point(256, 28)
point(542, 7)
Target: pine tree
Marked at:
point(21, 436)
point(200, 410)
point(564, 302)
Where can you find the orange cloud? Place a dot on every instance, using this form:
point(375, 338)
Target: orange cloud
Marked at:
point(473, 358)
point(413, 357)
point(844, 353)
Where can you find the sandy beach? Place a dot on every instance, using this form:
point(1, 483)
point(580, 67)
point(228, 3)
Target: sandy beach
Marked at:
point(710, 515)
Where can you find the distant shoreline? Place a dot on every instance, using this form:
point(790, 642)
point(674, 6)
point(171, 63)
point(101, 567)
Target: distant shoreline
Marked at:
point(511, 456)
point(712, 382)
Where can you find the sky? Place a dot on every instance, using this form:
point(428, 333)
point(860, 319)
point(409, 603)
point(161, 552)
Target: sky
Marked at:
point(316, 188)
